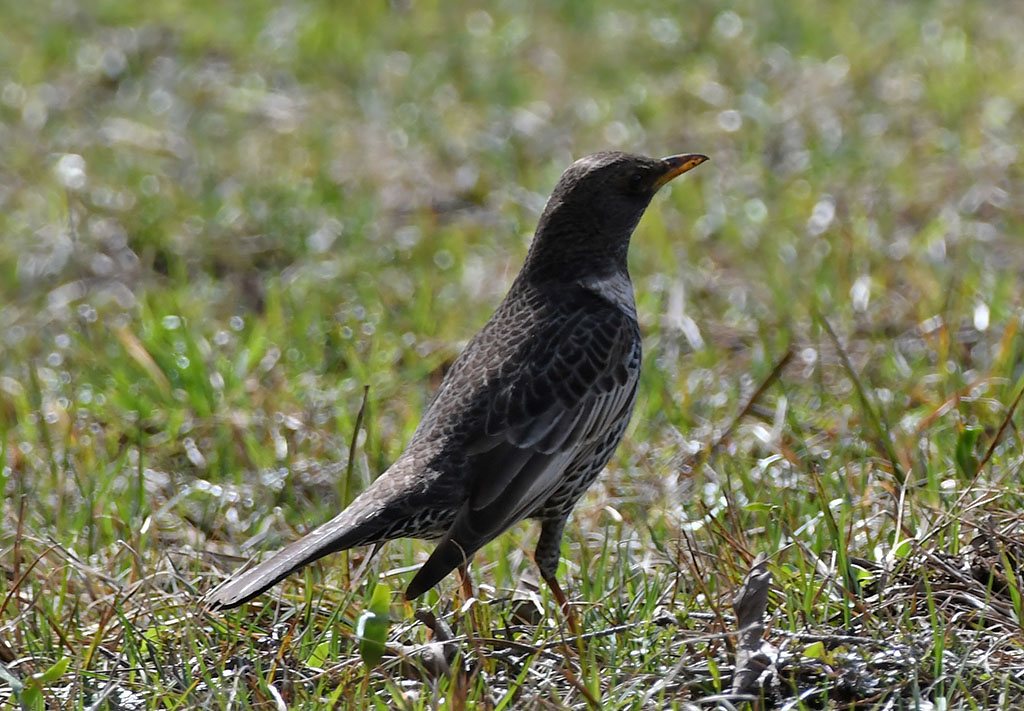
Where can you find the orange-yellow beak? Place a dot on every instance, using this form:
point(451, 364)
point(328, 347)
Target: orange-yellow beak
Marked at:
point(677, 165)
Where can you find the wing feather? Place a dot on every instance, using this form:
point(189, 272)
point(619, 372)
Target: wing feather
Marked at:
point(580, 380)
point(573, 380)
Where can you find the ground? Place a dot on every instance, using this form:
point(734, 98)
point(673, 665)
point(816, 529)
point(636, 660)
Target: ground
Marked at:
point(223, 223)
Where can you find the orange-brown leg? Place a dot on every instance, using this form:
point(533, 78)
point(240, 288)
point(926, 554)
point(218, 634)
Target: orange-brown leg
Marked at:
point(563, 603)
point(465, 583)
point(474, 619)
point(549, 547)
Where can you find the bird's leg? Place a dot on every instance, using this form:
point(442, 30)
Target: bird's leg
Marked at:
point(466, 593)
point(563, 604)
point(465, 583)
point(549, 550)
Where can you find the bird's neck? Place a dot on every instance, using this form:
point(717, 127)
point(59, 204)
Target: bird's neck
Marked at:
point(576, 247)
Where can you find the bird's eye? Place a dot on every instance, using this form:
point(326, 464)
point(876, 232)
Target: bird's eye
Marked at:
point(636, 180)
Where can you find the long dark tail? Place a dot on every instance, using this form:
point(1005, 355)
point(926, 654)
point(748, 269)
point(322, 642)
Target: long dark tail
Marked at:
point(346, 530)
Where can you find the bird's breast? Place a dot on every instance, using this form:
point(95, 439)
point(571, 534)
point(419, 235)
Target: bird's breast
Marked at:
point(616, 288)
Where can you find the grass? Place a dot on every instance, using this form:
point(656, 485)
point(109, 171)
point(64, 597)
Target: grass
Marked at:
point(220, 224)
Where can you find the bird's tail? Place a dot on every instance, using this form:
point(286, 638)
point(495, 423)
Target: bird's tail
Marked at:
point(348, 529)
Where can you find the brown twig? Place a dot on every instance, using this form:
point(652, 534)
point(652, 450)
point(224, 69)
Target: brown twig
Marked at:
point(999, 433)
point(727, 432)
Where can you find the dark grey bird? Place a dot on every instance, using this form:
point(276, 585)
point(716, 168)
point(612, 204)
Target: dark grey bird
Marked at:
point(531, 410)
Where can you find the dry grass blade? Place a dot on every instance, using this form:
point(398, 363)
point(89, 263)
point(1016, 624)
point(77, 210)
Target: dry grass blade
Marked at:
point(999, 433)
point(346, 493)
point(744, 411)
point(1004, 425)
point(881, 431)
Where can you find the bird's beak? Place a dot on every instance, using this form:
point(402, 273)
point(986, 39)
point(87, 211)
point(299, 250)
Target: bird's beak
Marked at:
point(677, 165)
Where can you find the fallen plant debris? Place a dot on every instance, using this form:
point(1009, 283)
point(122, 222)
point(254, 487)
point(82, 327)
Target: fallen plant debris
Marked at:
point(756, 673)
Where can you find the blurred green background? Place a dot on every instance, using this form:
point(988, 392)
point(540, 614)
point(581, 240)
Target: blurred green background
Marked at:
point(219, 221)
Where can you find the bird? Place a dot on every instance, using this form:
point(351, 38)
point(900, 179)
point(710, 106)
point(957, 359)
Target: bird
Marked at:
point(533, 407)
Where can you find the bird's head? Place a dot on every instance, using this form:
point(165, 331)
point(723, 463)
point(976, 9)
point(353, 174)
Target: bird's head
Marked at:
point(599, 200)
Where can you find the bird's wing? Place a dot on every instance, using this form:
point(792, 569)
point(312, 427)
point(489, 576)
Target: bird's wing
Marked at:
point(575, 379)
point(579, 378)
